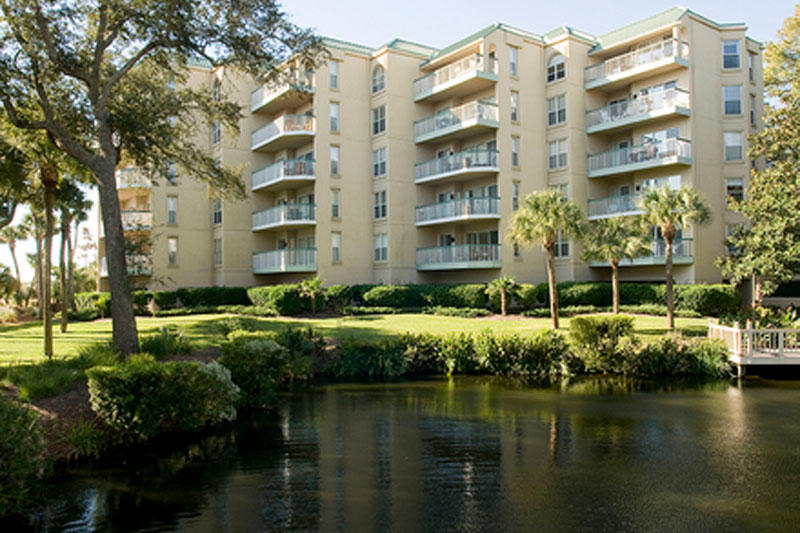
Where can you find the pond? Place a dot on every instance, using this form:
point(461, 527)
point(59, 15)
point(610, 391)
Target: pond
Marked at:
point(470, 454)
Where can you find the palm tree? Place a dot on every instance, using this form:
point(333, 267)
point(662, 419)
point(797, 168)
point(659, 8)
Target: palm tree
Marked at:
point(543, 217)
point(672, 210)
point(10, 235)
point(612, 240)
point(505, 287)
point(312, 289)
point(71, 202)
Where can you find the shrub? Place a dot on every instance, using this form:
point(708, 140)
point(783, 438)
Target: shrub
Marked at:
point(251, 310)
point(337, 297)
point(301, 342)
point(528, 296)
point(601, 342)
point(790, 289)
point(185, 311)
point(421, 355)
point(100, 301)
point(369, 362)
point(261, 367)
point(458, 352)
point(165, 299)
point(142, 398)
point(168, 341)
point(22, 461)
point(472, 295)
point(463, 312)
point(285, 299)
point(212, 296)
point(640, 294)
point(397, 296)
point(85, 439)
point(671, 357)
point(708, 300)
point(368, 310)
point(141, 301)
point(570, 310)
point(85, 315)
point(357, 292)
point(511, 355)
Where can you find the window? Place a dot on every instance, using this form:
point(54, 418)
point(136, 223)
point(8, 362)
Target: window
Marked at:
point(378, 79)
point(378, 162)
point(730, 231)
point(216, 132)
point(335, 160)
point(556, 68)
point(512, 60)
point(381, 247)
point(378, 119)
point(557, 154)
point(514, 106)
point(750, 60)
point(734, 148)
point(517, 253)
point(333, 66)
point(730, 54)
point(732, 99)
point(562, 188)
point(752, 110)
point(380, 204)
point(172, 210)
point(217, 252)
point(557, 110)
point(172, 251)
point(515, 192)
point(561, 248)
point(514, 151)
point(336, 247)
point(334, 116)
point(734, 189)
point(172, 173)
point(335, 203)
point(216, 211)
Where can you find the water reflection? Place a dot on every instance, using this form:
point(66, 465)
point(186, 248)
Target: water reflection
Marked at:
point(469, 454)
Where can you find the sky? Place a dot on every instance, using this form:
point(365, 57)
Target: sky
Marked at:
point(439, 23)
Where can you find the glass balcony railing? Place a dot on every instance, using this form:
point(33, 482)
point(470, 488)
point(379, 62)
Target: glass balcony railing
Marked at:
point(646, 155)
point(462, 256)
point(635, 61)
point(462, 208)
point(138, 265)
point(284, 125)
point(299, 169)
point(479, 112)
point(137, 220)
point(132, 178)
point(469, 161)
point(286, 260)
point(454, 73)
point(268, 92)
point(283, 215)
point(625, 204)
point(636, 109)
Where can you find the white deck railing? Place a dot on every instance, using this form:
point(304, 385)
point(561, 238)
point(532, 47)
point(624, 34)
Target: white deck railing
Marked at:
point(758, 346)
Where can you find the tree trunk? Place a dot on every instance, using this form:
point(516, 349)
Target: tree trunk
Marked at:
point(13, 249)
point(38, 278)
point(670, 296)
point(62, 262)
point(70, 271)
point(123, 321)
point(615, 285)
point(551, 282)
point(49, 178)
point(503, 301)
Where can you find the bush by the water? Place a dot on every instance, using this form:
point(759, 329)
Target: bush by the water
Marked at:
point(670, 357)
point(602, 342)
point(22, 461)
point(142, 398)
point(361, 361)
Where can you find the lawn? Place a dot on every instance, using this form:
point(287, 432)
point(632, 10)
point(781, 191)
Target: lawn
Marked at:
point(23, 342)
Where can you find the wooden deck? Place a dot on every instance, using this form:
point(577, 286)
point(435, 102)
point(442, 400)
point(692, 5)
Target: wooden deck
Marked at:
point(750, 346)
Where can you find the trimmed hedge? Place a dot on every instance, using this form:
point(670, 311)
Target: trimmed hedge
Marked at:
point(284, 299)
point(141, 301)
point(199, 296)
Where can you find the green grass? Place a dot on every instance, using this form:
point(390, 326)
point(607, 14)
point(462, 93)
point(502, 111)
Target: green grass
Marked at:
point(23, 342)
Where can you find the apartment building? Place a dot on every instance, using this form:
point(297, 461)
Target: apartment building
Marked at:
point(405, 164)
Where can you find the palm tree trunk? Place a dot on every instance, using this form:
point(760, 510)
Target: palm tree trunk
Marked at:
point(551, 282)
point(62, 262)
point(38, 279)
point(49, 180)
point(70, 270)
point(669, 291)
point(503, 301)
point(615, 285)
point(12, 247)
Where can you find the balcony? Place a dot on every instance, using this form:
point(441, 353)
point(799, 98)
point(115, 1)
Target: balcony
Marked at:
point(457, 122)
point(465, 76)
point(614, 206)
point(463, 165)
point(132, 178)
point(638, 111)
point(137, 220)
point(276, 95)
point(285, 217)
point(138, 265)
point(460, 210)
point(283, 174)
point(657, 58)
point(670, 152)
point(286, 260)
point(681, 255)
point(459, 257)
point(287, 131)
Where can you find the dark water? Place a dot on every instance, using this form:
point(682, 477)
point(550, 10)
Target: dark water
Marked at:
point(472, 454)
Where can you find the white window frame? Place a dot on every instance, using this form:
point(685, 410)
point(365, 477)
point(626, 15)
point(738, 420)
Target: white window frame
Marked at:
point(172, 251)
point(554, 73)
point(516, 189)
point(172, 210)
point(334, 112)
point(218, 252)
point(335, 156)
point(726, 146)
point(557, 110)
point(380, 206)
point(515, 144)
point(379, 119)
point(514, 106)
point(216, 212)
point(513, 61)
point(333, 78)
point(336, 206)
point(336, 247)
point(734, 183)
point(378, 79)
point(737, 54)
point(381, 247)
point(561, 248)
point(557, 154)
point(731, 95)
point(379, 164)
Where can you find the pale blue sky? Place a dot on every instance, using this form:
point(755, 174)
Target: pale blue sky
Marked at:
point(439, 23)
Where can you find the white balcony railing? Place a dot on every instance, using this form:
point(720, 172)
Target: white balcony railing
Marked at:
point(282, 215)
point(283, 125)
point(643, 155)
point(642, 107)
point(681, 254)
point(273, 89)
point(454, 73)
point(455, 118)
point(459, 256)
point(624, 204)
point(137, 220)
point(289, 168)
point(450, 164)
point(132, 178)
point(138, 265)
point(462, 208)
point(637, 59)
point(286, 260)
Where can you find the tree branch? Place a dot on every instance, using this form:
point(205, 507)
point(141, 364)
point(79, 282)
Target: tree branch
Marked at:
point(114, 79)
point(52, 51)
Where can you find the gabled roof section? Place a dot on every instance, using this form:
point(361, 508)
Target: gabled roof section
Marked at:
point(480, 34)
point(346, 46)
point(410, 47)
point(652, 23)
point(567, 31)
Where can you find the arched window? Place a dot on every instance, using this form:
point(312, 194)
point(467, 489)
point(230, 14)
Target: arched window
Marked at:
point(556, 68)
point(378, 79)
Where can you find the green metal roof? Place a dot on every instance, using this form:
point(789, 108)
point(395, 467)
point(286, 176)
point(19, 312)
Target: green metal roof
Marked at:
point(561, 31)
point(463, 42)
point(411, 47)
point(347, 46)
